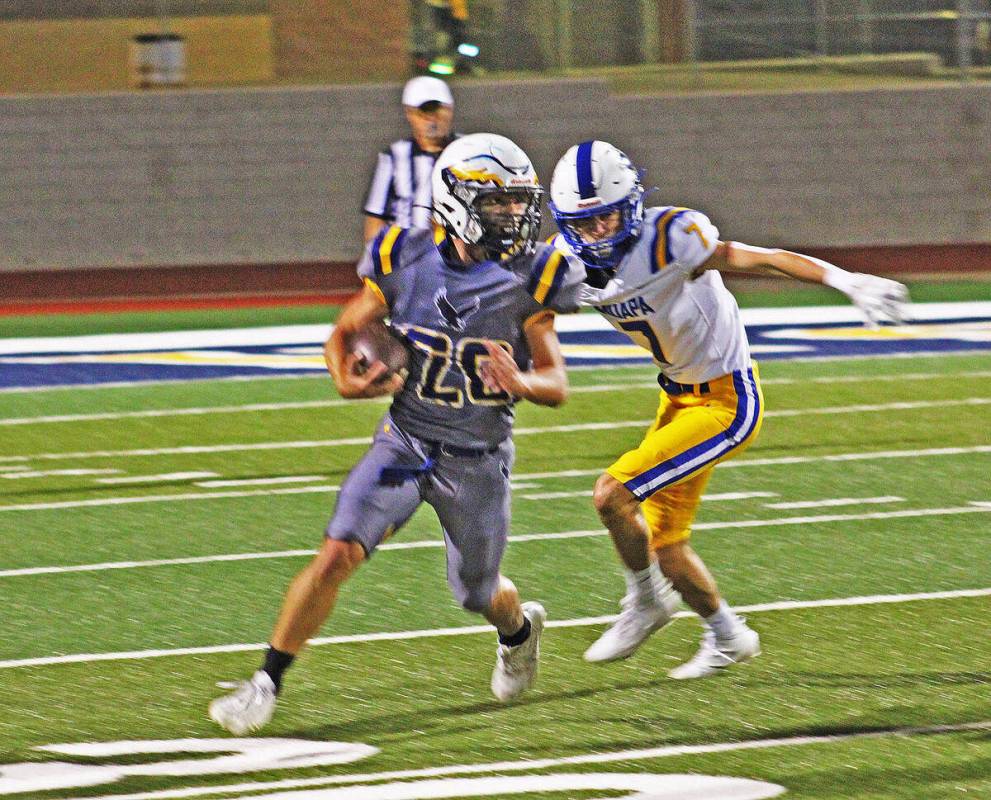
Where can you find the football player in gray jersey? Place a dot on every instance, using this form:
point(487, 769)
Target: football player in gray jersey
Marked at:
point(475, 301)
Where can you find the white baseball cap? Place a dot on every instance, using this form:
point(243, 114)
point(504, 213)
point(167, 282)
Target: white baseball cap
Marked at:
point(425, 89)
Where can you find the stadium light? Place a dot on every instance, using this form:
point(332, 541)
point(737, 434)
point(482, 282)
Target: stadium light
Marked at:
point(441, 68)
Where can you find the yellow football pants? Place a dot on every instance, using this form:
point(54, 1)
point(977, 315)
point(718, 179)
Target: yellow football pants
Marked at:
point(696, 427)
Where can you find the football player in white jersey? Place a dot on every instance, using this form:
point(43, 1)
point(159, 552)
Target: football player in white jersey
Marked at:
point(654, 274)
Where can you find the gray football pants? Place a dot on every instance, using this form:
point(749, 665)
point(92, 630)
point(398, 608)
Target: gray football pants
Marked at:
point(469, 493)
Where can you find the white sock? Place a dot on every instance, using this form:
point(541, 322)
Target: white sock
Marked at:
point(724, 622)
point(647, 585)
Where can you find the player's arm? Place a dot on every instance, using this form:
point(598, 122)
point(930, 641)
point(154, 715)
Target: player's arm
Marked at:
point(879, 299)
point(365, 307)
point(546, 382)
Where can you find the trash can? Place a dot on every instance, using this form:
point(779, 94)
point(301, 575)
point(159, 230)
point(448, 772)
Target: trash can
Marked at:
point(157, 60)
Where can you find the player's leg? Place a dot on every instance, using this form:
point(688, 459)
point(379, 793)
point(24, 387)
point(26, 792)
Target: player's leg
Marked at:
point(670, 512)
point(472, 501)
point(368, 510)
point(312, 594)
point(649, 602)
point(667, 474)
point(727, 639)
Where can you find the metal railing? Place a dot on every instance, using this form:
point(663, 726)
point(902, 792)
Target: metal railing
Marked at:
point(563, 34)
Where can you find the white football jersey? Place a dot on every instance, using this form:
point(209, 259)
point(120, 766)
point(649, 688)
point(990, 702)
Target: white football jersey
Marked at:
point(690, 325)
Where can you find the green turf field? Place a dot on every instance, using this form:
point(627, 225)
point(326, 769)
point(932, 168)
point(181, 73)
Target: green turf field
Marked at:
point(881, 465)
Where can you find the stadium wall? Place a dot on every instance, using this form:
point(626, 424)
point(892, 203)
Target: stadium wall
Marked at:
point(277, 176)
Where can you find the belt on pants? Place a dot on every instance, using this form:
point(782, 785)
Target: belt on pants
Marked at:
point(444, 449)
point(673, 387)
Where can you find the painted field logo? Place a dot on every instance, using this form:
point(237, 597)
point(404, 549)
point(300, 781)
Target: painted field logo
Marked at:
point(255, 755)
point(234, 755)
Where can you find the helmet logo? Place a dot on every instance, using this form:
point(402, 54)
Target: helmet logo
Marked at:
point(594, 201)
point(476, 175)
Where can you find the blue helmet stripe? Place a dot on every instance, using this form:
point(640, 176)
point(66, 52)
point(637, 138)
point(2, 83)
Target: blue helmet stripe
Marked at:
point(585, 187)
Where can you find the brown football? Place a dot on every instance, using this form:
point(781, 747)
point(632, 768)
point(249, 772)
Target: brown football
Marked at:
point(378, 342)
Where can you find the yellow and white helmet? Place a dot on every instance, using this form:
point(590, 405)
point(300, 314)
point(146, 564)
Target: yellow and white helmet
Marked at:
point(479, 166)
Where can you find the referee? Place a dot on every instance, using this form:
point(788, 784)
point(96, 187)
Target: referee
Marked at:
point(400, 191)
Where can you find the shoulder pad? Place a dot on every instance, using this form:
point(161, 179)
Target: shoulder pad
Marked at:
point(684, 236)
point(395, 246)
point(547, 271)
point(660, 252)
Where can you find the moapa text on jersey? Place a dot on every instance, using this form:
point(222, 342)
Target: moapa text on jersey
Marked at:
point(637, 307)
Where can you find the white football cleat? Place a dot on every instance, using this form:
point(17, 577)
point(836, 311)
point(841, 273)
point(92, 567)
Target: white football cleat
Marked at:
point(247, 708)
point(717, 654)
point(516, 667)
point(635, 623)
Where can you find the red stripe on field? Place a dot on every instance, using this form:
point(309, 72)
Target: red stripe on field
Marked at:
point(167, 304)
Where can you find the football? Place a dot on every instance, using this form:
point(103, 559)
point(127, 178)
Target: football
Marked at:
point(378, 342)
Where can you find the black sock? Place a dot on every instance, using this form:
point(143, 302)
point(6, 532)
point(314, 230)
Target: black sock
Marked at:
point(519, 637)
point(277, 662)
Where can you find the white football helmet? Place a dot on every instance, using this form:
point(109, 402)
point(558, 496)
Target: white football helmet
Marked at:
point(480, 166)
point(591, 179)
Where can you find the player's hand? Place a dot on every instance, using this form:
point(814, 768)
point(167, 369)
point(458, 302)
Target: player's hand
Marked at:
point(501, 374)
point(358, 380)
point(878, 299)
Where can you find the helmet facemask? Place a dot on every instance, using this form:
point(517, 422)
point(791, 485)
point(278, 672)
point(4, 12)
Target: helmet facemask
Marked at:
point(604, 253)
point(507, 232)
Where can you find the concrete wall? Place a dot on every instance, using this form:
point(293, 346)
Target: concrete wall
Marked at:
point(279, 175)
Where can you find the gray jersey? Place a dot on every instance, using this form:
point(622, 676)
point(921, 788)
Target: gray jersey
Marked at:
point(446, 310)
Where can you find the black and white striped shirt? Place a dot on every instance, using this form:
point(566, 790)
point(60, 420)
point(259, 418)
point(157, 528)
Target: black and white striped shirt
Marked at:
point(400, 191)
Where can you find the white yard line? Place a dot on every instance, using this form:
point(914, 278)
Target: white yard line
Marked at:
point(180, 412)
point(570, 473)
point(894, 378)
point(725, 496)
point(836, 501)
point(262, 481)
point(557, 495)
point(168, 476)
point(315, 404)
point(77, 387)
point(56, 473)
point(869, 456)
point(165, 498)
point(664, 751)
point(975, 507)
point(577, 427)
point(786, 605)
point(588, 493)
point(900, 406)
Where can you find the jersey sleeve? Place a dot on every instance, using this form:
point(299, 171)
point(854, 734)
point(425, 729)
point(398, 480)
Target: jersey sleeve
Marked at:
point(554, 279)
point(684, 239)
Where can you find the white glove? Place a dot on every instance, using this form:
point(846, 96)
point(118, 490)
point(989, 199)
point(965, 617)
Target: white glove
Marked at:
point(878, 299)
